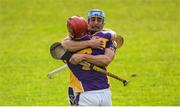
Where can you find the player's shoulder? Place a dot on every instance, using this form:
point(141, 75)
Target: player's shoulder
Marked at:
point(106, 33)
point(109, 31)
point(102, 34)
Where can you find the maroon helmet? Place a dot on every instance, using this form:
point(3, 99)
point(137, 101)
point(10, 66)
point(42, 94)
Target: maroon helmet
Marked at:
point(77, 26)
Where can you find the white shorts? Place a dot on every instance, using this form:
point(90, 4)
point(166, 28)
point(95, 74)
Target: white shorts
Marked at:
point(96, 98)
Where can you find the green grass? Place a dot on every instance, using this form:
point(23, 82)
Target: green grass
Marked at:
point(151, 50)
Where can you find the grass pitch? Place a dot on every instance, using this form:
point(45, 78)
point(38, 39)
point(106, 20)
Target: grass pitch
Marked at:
point(149, 59)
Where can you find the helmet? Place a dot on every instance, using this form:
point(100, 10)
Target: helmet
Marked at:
point(96, 13)
point(77, 26)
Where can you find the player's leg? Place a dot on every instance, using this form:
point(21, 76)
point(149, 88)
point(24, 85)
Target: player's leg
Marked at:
point(89, 99)
point(71, 96)
point(106, 97)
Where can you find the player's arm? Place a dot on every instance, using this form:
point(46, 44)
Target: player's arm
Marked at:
point(78, 45)
point(99, 60)
point(110, 34)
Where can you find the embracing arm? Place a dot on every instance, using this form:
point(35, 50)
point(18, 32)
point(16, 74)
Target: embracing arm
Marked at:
point(74, 45)
point(78, 45)
point(99, 60)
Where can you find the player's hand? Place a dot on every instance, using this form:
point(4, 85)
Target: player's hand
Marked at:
point(76, 58)
point(95, 42)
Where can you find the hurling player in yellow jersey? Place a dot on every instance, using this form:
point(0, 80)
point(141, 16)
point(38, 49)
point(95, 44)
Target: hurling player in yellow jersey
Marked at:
point(91, 88)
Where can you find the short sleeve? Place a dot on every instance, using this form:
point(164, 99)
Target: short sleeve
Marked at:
point(110, 45)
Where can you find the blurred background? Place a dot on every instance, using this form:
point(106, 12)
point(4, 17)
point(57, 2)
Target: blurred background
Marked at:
point(149, 58)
